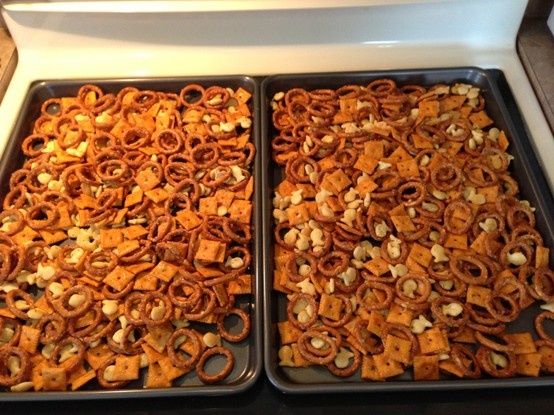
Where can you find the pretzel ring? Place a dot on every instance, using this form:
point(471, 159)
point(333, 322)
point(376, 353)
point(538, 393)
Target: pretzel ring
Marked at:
point(465, 359)
point(223, 373)
point(513, 248)
point(333, 263)
point(89, 93)
point(351, 368)
point(411, 193)
point(509, 183)
point(175, 344)
point(82, 329)
point(216, 97)
point(13, 221)
point(13, 324)
point(237, 231)
point(369, 341)
point(418, 295)
point(161, 226)
point(33, 144)
point(430, 133)
point(440, 304)
point(306, 337)
point(225, 333)
point(169, 141)
point(16, 198)
point(236, 252)
point(452, 221)
point(320, 108)
point(465, 266)
point(325, 138)
point(13, 297)
point(131, 308)
point(192, 95)
point(6, 378)
point(347, 311)
point(42, 215)
point(387, 181)
point(483, 357)
point(505, 346)
point(148, 304)
point(296, 169)
point(184, 292)
point(114, 171)
point(539, 325)
point(105, 103)
point(100, 263)
point(56, 197)
point(397, 255)
point(175, 171)
point(71, 136)
point(543, 282)
point(63, 307)
point(207, 306)
point(422, 230)
point(368, 301)
point(446, 176)
point(381, 87)
point(403, 331)
point(456, 130)
point(528, 235)
point(107, 384)
point(143, 99)
point(431, 208)
point(496, 159)
point(52, 328)
point(520, 214)
point(77, 358)
point(311, 310)
point(480, 174)
point(190, 187)
point(127, 344)
point(101, 141)
point(333, 334)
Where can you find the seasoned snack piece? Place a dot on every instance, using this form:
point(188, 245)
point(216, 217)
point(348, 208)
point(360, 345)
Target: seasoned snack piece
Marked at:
point(126, 240)
point(400, 236)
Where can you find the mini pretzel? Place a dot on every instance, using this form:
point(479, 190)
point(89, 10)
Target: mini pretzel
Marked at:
point(176, 358)
point(223, 373)
point(226, 334)
point(313, 334)
point(6, 379)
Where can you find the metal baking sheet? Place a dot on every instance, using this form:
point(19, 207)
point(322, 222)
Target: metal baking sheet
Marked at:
point(247, 353)
point(502, 108)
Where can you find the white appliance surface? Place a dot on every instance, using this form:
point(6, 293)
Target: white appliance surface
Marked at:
point(89, 39)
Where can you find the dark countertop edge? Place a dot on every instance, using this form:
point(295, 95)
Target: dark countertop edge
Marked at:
point(535, 46)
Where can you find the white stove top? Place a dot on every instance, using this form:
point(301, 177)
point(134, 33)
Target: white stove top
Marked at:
point(136, 39)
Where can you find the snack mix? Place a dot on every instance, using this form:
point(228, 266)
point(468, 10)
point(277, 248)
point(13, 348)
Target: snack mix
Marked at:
point(402, 248)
